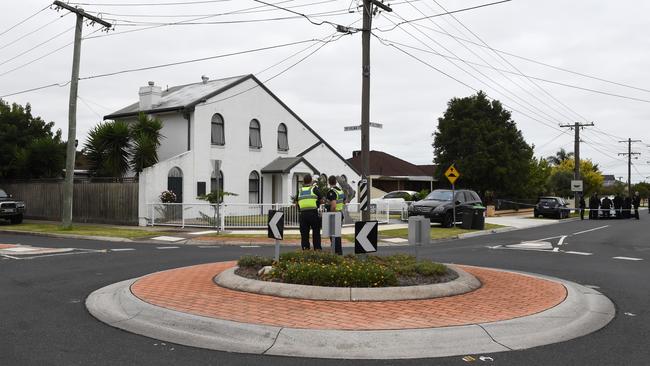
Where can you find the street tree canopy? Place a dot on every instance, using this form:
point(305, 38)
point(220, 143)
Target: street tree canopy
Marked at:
point(481, 139)
point(29, 148)
point(562, 174)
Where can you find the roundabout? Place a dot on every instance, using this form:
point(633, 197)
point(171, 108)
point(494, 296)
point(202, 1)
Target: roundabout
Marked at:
point(508, 311)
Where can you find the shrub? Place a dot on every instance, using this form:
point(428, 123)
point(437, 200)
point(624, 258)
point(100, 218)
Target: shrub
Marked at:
point(167, 197)
point(311, 256)
point(346, 274)
point(254, 261)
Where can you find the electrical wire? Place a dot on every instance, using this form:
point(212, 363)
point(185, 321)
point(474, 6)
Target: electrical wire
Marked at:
point(35, 89)
point(553, 139)
point(152, 4)
point(38, 45)
point(24, 20)
point(32, 32)
point(297, 13)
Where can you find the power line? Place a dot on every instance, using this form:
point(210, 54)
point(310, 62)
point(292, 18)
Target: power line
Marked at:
point(24, 20)
point(153, 4)
point(32, 32)
point(35, 89)
point(258, 20)
point(297, 13)
point(38, 45)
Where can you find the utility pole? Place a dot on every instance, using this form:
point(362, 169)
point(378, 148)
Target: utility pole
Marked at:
point(72, 108)
point(368, 12)
point(629, 154)
point(577, 126)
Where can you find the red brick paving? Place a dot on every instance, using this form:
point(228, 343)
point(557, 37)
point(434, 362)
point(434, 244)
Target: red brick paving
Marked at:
point(503, 296)
point(6, 246)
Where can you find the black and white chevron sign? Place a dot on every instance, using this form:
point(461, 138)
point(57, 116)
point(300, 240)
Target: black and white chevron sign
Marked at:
point(275, 224)
point(364, 199)
point(365, 237)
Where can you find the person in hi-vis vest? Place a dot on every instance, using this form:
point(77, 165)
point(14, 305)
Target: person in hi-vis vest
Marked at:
point(336, 198)
point(309, 198)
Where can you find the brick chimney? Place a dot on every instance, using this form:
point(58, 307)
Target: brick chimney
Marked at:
point(149, 96)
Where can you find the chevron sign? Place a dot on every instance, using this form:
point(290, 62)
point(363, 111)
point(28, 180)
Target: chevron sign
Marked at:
point(365, 237)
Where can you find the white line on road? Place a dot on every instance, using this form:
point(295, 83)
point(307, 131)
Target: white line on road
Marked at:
point(168, 238)
point(594, 229)
point(578, 253)
point(167, 247)
point(249, 246)
point(559, 243)
point(121, 249)
point(209, 246)
point(628, 258)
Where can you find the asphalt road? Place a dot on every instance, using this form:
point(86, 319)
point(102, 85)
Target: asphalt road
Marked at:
point(43, 320)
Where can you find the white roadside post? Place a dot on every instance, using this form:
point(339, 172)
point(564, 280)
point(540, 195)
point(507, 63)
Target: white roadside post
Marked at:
point(276, 229)
point(332, 225)
point(419, 232)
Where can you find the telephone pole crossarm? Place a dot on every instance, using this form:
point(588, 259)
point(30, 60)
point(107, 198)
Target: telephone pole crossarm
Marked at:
point(81, 12)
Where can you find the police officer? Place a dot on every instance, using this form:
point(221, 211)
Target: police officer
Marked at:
point(336, 198)
point(618, 203)
point(309, 198)
point(627, 207)
point(583, 205)
point(606, 206)
point(636, 202)
point(594, 204)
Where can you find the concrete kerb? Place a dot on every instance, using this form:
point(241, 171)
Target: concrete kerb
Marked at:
point(464, 283)
point(67, 236)
point(584, 311)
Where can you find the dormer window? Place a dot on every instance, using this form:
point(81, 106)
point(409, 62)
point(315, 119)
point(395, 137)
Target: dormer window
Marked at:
point(283, 139)
point(254, 135)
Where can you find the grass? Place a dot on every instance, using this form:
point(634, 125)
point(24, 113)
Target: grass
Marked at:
point(89, 230)
point(348, 237)
point(436, 232)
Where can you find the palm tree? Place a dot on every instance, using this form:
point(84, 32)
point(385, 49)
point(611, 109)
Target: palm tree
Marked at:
point(560, 157)
point(145, 140)
point(108, 149)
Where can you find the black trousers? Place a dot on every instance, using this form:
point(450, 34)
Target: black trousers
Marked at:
point(582, 213)
point(309, 220)
point(636, 212)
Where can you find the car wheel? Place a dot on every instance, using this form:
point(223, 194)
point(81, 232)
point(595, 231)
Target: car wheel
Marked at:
point(448, 220)
point(17, 219)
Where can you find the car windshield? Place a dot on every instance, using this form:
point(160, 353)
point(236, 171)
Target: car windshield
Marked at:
point(547, 200)
point(3, 194)
point(439, 196)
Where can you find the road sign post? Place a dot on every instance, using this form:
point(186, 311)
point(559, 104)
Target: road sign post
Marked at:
point(452, 175)
point(332, 225)
point(419, 232)
point(364, 199)
point(365, 237)
point(275, 226)
point(576, 186)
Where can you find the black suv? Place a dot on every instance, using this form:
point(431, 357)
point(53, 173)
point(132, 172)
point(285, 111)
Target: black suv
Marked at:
point(555, 207)
point(11, 209)
point(438, 205)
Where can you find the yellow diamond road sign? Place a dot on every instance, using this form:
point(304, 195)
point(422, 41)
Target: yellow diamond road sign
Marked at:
point(452, 174)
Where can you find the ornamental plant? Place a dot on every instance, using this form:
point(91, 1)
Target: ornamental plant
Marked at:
point(167, 197)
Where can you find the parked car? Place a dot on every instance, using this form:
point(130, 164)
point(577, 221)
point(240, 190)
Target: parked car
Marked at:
point(396, 200)
point(554, 207)
point(11, 209)
point(438, 205)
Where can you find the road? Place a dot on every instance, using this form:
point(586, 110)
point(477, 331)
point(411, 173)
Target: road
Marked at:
point(43, 320)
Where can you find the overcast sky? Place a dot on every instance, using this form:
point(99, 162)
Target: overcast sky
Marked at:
point(605, 39)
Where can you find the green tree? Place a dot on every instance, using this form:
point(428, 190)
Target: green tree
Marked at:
point(643, 188)
point(108, 149)
point(540, 172)
point(145, 141)
point(561, 176)
point(29, 148)
point(481, 139)
point(560, 157)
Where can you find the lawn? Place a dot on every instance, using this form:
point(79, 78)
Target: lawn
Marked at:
point(437, 232)
point(348, 237)
point(89, 230)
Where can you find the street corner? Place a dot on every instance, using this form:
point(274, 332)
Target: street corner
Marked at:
point(509, 311)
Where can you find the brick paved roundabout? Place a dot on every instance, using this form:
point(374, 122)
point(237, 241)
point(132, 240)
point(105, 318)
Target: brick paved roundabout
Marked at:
point(509, 311)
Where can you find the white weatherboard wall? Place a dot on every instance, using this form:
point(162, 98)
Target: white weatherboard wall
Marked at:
point(238, 160)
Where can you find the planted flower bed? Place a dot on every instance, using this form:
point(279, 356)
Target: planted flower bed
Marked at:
point(327, 269)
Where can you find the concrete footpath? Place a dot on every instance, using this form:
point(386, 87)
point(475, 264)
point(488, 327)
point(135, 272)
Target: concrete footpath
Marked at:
point(510, 311)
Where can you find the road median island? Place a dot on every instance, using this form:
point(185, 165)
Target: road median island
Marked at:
point(509, 311)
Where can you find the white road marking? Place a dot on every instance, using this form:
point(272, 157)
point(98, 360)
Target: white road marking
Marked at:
point(209, 246)
point(630, 314)
point(592, 287)
point(249, 246)
point(531, 245)
point(578, 253)
point(396, 240)
point(628, 258)
point(167, 247)
point(559, 243)
point(204, 232)
point(590, 230)
point(121, 249)
point(21, 249)
point(168, 238)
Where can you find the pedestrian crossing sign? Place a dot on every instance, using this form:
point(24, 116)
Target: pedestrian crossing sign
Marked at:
point(452, 174)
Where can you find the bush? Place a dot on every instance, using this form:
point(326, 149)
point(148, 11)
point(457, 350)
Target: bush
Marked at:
point(346, 274)
point(311, 256)
point(254, 261)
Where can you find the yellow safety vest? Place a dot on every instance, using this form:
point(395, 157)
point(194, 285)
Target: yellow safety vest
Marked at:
point(307, 199)
point(340, 198)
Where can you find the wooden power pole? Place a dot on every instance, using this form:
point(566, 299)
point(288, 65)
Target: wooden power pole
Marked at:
point(629, 154)
point(576, 154)
point(72, 108)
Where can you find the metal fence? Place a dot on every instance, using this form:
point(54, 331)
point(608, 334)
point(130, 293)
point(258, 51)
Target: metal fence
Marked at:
point(239, 215)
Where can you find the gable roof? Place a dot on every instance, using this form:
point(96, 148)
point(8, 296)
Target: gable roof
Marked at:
point(185, 97)
point(609, 177)
point(284, 165)
point(385, 164)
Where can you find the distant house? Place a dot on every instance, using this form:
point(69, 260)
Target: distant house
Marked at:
point(390, 173)
point(232, 133)
point(608, 180)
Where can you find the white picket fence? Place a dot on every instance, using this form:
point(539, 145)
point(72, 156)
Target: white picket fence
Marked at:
point(241, 216)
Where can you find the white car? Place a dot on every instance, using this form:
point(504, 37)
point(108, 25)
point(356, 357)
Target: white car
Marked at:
point(396, 200)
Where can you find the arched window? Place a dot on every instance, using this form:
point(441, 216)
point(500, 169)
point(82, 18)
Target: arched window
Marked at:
point(175, 182)
point(344, 177)
point(254, 135)
point(283, 140)
point(218, 135)
point(213, 182)
point(253, 187)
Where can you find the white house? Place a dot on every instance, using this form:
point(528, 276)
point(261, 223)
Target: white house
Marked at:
point(232, 133)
